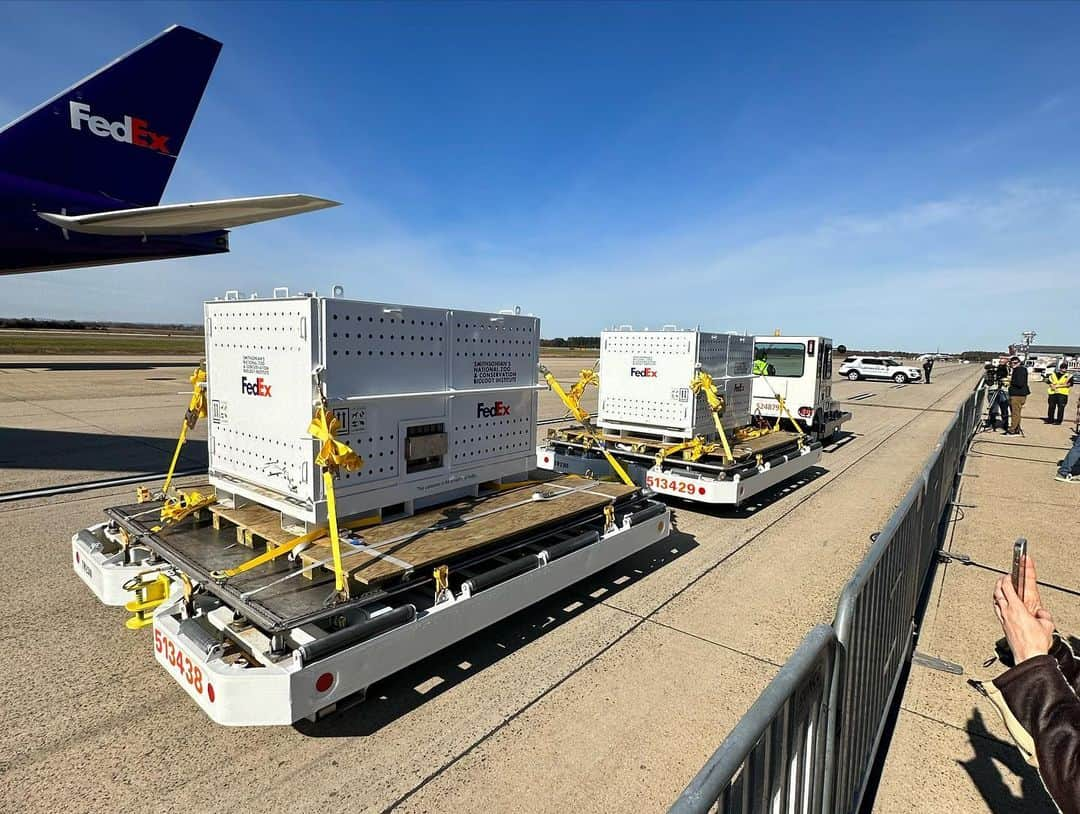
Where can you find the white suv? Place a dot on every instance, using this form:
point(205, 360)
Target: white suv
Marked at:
point(878, 367)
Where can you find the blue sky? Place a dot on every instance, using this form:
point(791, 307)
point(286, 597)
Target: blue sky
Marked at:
point(901, 176)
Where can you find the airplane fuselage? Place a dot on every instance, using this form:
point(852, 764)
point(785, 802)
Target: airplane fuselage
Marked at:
point(29, 243)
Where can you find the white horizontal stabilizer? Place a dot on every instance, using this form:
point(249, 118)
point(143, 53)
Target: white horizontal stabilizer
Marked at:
point(189, 218)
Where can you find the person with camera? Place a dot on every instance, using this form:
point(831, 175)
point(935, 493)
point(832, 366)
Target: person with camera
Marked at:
point(1018, 393)
point(1041, 708)
point(997, 397)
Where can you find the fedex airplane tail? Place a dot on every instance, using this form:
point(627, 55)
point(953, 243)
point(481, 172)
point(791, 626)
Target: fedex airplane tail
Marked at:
point(81, 176)
point(117, 133)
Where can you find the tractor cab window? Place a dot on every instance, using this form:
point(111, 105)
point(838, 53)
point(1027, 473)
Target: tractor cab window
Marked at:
point(783, 358)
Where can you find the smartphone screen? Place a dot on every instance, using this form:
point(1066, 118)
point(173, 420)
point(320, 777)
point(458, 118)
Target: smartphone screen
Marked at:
point(1019, 551)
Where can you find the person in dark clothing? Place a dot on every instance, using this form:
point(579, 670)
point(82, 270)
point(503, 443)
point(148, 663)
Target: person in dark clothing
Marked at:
point(998, 400)
point(1018, 393)
point(1040, 692)
point(927, 366)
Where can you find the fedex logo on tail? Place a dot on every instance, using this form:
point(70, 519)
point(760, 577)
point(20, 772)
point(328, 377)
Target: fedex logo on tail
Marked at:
point(499, 408)
point(127, 131)
point(259, 387)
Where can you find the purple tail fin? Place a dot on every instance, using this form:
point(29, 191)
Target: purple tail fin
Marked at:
point(118, 132)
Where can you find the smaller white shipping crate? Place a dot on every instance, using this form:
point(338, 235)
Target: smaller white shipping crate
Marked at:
point(435, 401)
point(645, 381)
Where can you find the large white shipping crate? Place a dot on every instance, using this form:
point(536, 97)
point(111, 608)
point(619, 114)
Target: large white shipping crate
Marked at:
point(435, 401)
point(645, 381)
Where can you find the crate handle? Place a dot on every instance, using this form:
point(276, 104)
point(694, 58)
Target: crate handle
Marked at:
point(281, 291)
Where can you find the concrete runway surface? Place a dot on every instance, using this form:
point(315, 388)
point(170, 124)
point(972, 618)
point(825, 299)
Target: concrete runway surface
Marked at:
point(608, 696)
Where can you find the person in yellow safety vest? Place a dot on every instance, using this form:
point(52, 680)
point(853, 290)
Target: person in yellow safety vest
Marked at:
point(1060, 380)
point(762, 366)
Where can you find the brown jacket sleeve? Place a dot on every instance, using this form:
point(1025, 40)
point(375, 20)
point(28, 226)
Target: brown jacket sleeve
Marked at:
point(1047, 706)
point(1067, 661)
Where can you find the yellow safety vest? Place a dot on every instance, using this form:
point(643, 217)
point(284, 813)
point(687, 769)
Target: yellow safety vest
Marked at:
point(1059, 383)
point(761, 368)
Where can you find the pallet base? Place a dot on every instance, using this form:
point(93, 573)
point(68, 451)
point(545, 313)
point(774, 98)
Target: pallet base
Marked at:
point(741, 451)
point(382, 553)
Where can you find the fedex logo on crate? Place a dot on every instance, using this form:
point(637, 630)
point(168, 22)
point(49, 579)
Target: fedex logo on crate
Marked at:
point(645, 372)
point(128, 130)
point(499, 408)
point(259, 387)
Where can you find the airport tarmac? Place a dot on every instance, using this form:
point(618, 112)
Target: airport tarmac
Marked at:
point(609, 696)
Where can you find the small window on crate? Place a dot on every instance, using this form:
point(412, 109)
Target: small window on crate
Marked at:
point(425, 447)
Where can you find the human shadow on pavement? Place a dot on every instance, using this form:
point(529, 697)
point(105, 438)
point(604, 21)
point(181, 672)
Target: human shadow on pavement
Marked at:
point(414, 686)
point(986, 769)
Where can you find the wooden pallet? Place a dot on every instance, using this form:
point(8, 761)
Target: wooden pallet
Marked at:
point(410, 544)
point(253, 524)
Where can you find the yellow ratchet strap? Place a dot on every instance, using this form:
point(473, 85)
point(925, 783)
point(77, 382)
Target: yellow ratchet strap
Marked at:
point(696, 447)
point(333, 456)
point(783, 410)
point(572, 400)
point(273, 553)
point(196, 410)
point(703, 383)
point(175, 509)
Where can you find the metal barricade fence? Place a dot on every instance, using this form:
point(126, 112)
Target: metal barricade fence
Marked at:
point(768, 762)
point(774, 758)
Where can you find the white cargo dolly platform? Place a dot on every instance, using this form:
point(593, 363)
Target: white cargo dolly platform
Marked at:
point(105, 563)
point(707, 480)
point(271, 646)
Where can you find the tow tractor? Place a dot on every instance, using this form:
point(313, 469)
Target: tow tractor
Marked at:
point(405, 517)
point(799, 370)
point(681, 413)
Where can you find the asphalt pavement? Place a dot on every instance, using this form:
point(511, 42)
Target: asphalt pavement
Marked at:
point(608, 696)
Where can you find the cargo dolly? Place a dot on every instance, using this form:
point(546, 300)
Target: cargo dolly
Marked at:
point(675, 417)
point(756, 465)
point(277, 643)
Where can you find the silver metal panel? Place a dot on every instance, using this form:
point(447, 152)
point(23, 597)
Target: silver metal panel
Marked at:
point(493, 350)
point(377, 348)
point(260, 355)
point(486, 428)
